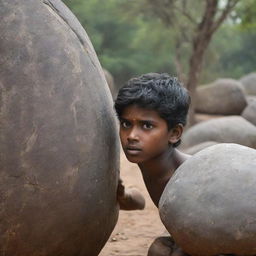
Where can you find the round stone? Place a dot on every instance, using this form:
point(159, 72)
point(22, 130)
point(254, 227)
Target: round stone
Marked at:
point(209, 205)
point(59, 149)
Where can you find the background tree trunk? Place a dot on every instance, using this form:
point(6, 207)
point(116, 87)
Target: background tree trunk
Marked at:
point(203, 35)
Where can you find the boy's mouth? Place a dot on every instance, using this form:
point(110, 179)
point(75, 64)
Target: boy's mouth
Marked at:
point(132, 150)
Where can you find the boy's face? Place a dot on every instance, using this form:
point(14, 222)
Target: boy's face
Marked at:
point(144, 134)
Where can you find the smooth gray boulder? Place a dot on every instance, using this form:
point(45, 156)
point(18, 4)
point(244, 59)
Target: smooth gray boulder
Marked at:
point(199, 117)
point(250, 98)
point(209, 204)
point(222, 97)
point(110, 82)
point(230, 129)
point(249, 83)
point(249, 112)
point(59, 147)
point(198, 147)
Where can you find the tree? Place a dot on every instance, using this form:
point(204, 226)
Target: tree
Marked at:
point(196, 22)
point(246, 12)
point(123, 43)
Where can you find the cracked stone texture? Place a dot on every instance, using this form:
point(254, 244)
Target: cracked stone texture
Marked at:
point(59, 150)
point(209, 203)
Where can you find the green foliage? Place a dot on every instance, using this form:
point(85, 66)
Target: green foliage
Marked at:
point(126, 45)
point(246, 13)
point(232, 53)
point(130, 39)
point(242, 59)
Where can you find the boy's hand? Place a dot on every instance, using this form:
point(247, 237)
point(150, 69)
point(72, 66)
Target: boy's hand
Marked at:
point(120, 188)
point(130, 199)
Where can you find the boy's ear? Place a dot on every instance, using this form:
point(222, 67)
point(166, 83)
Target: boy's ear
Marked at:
point(175, 133)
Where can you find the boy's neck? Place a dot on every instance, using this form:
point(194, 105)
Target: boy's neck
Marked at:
point(160, 166)
point(157, 172)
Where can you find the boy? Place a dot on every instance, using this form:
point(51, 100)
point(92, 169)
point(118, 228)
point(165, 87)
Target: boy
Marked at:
point(152, 110)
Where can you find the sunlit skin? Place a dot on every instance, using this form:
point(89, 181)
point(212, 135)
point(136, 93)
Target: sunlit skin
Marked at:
point(146, 140)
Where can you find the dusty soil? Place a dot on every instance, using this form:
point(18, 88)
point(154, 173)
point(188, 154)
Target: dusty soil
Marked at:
point(135, 230)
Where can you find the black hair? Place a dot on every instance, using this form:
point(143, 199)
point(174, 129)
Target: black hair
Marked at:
point(159, 92)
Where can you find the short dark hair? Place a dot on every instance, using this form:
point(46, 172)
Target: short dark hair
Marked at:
point(160, 92)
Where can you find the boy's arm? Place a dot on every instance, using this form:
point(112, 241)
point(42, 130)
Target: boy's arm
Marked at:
point(129, 199)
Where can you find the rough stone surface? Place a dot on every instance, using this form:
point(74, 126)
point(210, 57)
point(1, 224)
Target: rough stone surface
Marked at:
point(59, 150)
point(222, 97)
point(230, 129)
point(209, 204)
point(249, 83)
point(249, 112)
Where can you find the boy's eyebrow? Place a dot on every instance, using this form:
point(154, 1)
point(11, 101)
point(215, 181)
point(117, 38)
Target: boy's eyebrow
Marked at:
point(147, 121)
point(141, 120)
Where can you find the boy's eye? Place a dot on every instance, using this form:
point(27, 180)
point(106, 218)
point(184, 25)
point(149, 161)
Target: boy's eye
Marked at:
point(125, 124)
point(147, 126)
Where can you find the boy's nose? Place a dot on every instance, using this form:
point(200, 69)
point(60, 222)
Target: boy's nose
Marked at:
point(133, 135)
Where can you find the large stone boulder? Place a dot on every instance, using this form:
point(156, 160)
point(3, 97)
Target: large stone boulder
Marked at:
point(230, 129)
point(209, 203)
point(250, 98)
point(110, 82)
point(249, 83)
point(59, 149)
point(198, 147)
point(222, 97)
point(249, 112)
point(199, 117)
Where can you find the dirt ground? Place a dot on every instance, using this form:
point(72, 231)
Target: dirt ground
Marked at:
point(135, 230)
